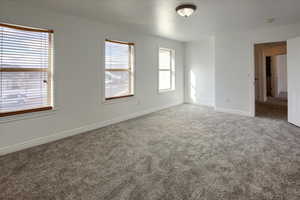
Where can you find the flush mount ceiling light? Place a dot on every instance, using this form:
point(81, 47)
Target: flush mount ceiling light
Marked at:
point(186, 10)
point(270, 20)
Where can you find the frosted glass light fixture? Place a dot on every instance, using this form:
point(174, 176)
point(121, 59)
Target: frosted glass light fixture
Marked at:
point(186, 10)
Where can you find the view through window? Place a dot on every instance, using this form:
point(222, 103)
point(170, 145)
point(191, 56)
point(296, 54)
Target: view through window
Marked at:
point(25, 69)
point(119, 76)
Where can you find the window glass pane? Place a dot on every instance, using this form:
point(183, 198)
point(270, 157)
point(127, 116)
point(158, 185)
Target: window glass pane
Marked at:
point(118, 69)
point(117, 83)
point(164, 80)
point(24, 63)
point(164, 59)
point(116, 55)
point(23, 90)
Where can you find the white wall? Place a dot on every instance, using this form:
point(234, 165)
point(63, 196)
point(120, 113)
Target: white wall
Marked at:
point(234, 66)
point(281, 65)
point(199, 63)
point(78, 78)
point(223, 68)
point(293, 59)
point(231, 72)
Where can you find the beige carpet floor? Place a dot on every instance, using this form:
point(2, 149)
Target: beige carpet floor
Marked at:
point(182, 153)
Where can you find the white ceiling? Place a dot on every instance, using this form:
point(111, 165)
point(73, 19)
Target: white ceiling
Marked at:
point(158, 17)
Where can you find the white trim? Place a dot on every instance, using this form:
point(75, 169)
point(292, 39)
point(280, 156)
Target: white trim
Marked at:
point(251, 76)
point(214, 70)
point(68, 133)
point(233, 111)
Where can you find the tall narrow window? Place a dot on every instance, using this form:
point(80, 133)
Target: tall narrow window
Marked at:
point(166, 70)
point(25, 70)
point(119, 78)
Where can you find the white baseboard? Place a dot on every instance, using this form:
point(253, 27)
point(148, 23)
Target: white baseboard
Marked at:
point(233, 111)
point(68, 133)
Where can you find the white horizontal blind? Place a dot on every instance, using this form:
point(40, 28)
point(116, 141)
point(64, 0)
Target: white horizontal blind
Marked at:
point(118, 69)
point(117, 55)
point(25, 69)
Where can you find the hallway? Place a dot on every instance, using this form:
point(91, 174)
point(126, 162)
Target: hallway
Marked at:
point(274, 108)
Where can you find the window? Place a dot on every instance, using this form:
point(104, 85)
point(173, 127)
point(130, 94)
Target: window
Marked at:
point(118, 69)
point(25, 70)
point(166, 75)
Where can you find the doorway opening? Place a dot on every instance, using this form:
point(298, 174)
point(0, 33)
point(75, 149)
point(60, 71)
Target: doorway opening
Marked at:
point(271, 99)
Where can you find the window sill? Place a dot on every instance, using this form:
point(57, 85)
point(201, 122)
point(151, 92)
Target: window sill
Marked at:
point(119, 100)
point(26, 116)
point(166, 91)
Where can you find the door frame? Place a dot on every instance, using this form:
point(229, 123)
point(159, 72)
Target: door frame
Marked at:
point(251, 73)
point(251, 76)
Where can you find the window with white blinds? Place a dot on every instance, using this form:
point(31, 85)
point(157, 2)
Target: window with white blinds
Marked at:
point(166, 80)
point(25, 70)
point(119, 76)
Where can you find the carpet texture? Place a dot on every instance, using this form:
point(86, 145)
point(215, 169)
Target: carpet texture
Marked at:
point(182, 153)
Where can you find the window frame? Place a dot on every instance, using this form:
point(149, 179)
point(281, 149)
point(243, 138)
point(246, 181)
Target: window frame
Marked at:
point(49, 71)
point(172, 71)
point(130, 70)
